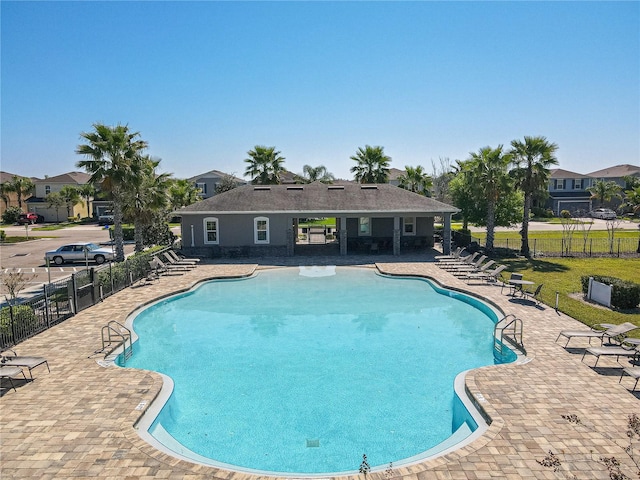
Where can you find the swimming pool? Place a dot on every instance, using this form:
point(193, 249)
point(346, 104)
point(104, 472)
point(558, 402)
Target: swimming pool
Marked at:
point(301, 371)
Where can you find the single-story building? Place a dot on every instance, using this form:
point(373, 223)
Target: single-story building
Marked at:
point(257, 220)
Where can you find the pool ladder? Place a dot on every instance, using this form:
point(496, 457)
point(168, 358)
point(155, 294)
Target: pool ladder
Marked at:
point(114, 335)
point(508, 329)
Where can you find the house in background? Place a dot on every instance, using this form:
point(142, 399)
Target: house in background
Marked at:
point(615, 174)
point(568, 191)
point(257, 220)
point(38, 203)
point(11, 197)
point(207, 182)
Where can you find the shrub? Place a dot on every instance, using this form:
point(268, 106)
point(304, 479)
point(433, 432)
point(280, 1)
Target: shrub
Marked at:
point(24, 319)
point(624, 295)
point(3, 236)
point(462, 237)
point(11, 215)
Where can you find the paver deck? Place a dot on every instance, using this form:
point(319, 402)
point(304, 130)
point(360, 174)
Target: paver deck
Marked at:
point(78, 420)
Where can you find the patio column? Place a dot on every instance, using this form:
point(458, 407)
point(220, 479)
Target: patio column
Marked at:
point(396, 235)
point(343, 235)
point(290, 238)
point(446, 234)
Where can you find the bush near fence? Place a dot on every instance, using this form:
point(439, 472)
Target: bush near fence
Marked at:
point(624, 295)
point(64, 298)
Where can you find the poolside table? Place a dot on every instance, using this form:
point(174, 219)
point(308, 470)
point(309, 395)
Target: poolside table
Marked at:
point(518, 285)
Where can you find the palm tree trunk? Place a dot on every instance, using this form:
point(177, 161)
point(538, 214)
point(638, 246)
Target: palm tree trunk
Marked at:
point(137, 225)
point(491, 214)
point(524, 249)
point(118, 237)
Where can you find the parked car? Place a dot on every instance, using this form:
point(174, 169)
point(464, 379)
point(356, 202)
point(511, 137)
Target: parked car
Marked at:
point(105, 219)
point(79, 252)
point(603, 213)
point(30, 218)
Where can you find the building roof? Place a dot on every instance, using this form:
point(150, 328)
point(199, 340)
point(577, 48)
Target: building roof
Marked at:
point(560, 173)
point(319, 198)
point(617, 171)
point(7, 177)
point(215, 174)
point(78, 178)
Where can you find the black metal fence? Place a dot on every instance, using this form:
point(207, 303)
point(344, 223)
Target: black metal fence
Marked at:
point(64, 298)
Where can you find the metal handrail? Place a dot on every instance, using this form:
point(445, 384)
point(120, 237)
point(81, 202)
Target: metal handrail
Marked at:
point(121, 335)
point(509, 328)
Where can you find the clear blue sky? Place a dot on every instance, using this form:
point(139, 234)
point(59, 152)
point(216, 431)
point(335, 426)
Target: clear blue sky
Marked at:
point(204, 82)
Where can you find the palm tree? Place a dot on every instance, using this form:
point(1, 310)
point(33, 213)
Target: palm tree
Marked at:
point(111, 152)
point(373, 165)
point(55, 200)
point(146, 195)
point(416, 180)
point(182, 192)
point(4, 194)
point(316, 174)
point(22, 186)
point(531, 160)
point(488, 169)
point(71, 197)
point(604, 191)
point(87, 191)
point(264, 165)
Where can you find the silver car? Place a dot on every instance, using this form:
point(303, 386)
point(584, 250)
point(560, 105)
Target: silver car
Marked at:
point(79, 252)
point(603, 213)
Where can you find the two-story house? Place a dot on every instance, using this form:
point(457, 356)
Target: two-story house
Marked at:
point(616, 174)
point(208, 181)
point(568, 191)
point(10, 199)
point(38, 203)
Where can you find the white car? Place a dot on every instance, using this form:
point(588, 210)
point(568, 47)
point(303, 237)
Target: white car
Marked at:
point(603, 213)
point(79, 252)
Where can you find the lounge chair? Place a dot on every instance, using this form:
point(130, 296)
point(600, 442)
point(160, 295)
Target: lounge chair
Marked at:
point(535, 295)
point(456, 257)
point(456, 253)
point(602, 331)
point(479, 269)
point(183, 263)
point(181, 258)
point(10, 372)
point(622, 350)
point(462, 261)
point(161, 268)
point(472, 266)
point(632, 372)
point(486, 276)
point(27, 362)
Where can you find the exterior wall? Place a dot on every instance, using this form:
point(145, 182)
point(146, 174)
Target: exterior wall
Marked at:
point(209, 185)
point(50, 215)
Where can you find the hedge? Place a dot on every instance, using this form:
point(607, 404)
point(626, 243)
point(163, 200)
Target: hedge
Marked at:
point(624, 295)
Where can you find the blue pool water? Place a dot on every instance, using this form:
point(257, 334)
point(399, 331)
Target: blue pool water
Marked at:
point(295, 373)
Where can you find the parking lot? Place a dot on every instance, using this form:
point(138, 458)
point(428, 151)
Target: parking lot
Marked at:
point(28, 257)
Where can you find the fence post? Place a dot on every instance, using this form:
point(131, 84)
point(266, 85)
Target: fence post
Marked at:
point(13, 323)
point(46, 306)
point(535, 247)
point(590, 246)
point(619, 248)
point(111, 276)
point(74, 296)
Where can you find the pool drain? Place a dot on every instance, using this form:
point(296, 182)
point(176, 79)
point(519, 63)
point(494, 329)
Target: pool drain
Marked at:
point(313, 442)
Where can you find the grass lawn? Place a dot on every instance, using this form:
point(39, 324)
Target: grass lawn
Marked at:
point(24, 239)
point(319, 222)
point(562, 275)
point(556, 234)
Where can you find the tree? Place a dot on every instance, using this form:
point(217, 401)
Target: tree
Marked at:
point(87, 191)
point(182, 192)
point(460, 188)
point(5, 189)
point(264, 165)
point(531, 160)
point(316, 174)
point(632, 200)
point(416, 180)
point(71, 196)
point(372, 165)
point(21, 186)
point(604, 191)
point(228, 182)
point(490, 180)
point(110, 153)
point(146, 195)
point(55, 200)
point(441, 177)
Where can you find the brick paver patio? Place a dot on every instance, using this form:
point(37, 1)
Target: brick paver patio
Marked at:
point(78, 421)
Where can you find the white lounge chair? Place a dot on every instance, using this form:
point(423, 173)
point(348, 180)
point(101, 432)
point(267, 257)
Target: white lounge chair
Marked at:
point(632, 372)
point(487, 276)
point(23, 361)
point(182, 263)
point(602, 331)
point(10, 372)
point(622, 350)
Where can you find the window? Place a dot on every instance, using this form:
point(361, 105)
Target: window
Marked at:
point(409, 225)
point(364, 228)
point(211, 231)
point(577, 184)
point(47, 189)
point(559, 184)
point(261, 230)
point(202, 187)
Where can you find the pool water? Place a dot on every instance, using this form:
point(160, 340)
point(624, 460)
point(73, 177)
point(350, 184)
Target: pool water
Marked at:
point(301, 372)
